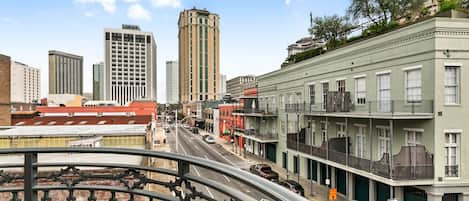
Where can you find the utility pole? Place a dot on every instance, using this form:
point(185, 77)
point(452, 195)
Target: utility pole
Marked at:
point(177, 136)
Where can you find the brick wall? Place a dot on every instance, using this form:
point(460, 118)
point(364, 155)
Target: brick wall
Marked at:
point(5, 116)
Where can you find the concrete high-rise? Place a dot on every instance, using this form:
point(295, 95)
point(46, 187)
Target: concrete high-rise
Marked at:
point(65, 73)
point(222, 85)
point(172, 82)
point(199, 58)
point(25, 83)
point(5, 102)
point(129, 64)
point(98, 81)
point(236, 86)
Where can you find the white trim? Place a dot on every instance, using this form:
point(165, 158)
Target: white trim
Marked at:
point(360, 125)
point(383, 72)
point(311, 83)
point(359, 76)
point(324, 81)
point(452, 64)
point(340, 79)
point(452, 130)
point(381, 126)
point(414, 129)
point(412, 68)
point(340, 123)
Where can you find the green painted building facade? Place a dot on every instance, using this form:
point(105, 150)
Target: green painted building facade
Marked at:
point(380, 118)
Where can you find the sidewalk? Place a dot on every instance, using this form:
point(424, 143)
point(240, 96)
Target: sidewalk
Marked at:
point(319, 193)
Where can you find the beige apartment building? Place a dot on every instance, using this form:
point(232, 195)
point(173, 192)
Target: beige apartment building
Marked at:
point(199, 57)
point(65, 73)
point(25, 83)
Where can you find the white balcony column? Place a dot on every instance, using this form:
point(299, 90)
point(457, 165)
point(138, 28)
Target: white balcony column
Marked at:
point(434, 196)
point(372, 190)
point(399, 193)
point(318, 170)
point(333, 178)
point(350, 186)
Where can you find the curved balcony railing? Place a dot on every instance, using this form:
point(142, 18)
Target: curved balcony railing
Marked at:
point(38, 180)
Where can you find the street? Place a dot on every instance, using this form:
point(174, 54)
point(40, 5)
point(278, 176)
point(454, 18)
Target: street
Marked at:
point(192, 144)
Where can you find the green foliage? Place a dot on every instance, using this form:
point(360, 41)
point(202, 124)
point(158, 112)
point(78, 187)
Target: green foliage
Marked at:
point(180, 116)
point(384, 11)
point(305, 55)
point(332, 29)
point(376, 29)
point(446, 5)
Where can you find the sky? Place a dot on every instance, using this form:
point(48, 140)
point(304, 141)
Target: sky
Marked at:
point(254, 34)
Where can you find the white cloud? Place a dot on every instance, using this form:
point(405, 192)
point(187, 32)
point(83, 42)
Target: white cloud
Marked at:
point(89, 14)
point(137, 12)
point(108, 5)
point(287, 2)
point(130, 1)
point(166, 3)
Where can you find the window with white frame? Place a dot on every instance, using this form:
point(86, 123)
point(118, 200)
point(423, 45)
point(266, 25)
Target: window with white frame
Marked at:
point(360, 144)
point(312, 94)
point(341, 132)
point(325, 89)
point(413, 136)
point(452, 154)
point(413, 86)
point(384, 92)
point(360, 90)
point(323, 132)
point(452, 84)
point(383, 141)
point(282, 101)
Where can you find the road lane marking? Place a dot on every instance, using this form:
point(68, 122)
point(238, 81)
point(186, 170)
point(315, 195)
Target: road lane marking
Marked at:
point(198, 174)
point(227, 179)
point(226, 159)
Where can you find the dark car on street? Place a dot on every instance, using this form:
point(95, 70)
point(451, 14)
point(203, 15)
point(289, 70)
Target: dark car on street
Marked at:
point(293, 186)
point(264, 171)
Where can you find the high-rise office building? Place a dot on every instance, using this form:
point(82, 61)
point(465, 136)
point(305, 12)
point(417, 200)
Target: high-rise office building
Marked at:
point(5, 101)
point(65, 73)
point(199, 58)
point(222, 85)
point(235, 87)
point(98, 81)
point(25, 83)
point(172, 82)
point(129, 64)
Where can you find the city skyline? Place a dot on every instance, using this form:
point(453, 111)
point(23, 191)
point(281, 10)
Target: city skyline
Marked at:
point(85, 20)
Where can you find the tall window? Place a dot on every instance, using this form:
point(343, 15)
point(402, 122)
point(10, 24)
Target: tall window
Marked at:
point(384, 92)
point(312, 94)
point(284, 160)
point(413, 86)
point(413, 137)
point(360, 144)
point(383, 141)
point(341, 86)
point(360, 90)
point(323, 132)
point(325, 89)
point(452, 85)
point(296, 164)
point(341, 130)
point(452, 154)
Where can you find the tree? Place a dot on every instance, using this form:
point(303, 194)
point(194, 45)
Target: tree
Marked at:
point(331, 29)
point(384, 11)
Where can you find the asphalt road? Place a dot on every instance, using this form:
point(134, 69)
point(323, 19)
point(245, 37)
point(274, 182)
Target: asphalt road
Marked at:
point(192, 144)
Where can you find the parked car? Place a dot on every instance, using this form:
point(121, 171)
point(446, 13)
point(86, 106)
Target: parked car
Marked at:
point(209, 139)
point(293, 186)
point(186, 126)
point(265, 171)
point(195, 130)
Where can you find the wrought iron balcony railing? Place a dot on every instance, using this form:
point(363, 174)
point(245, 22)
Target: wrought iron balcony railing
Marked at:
point(391, 107)
point(411, 163)
point(35, 179)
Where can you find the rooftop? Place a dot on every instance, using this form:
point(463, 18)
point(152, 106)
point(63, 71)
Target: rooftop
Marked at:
point(73, 130)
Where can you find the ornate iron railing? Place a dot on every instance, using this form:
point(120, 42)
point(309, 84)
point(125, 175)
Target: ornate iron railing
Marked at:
point(38, 180)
